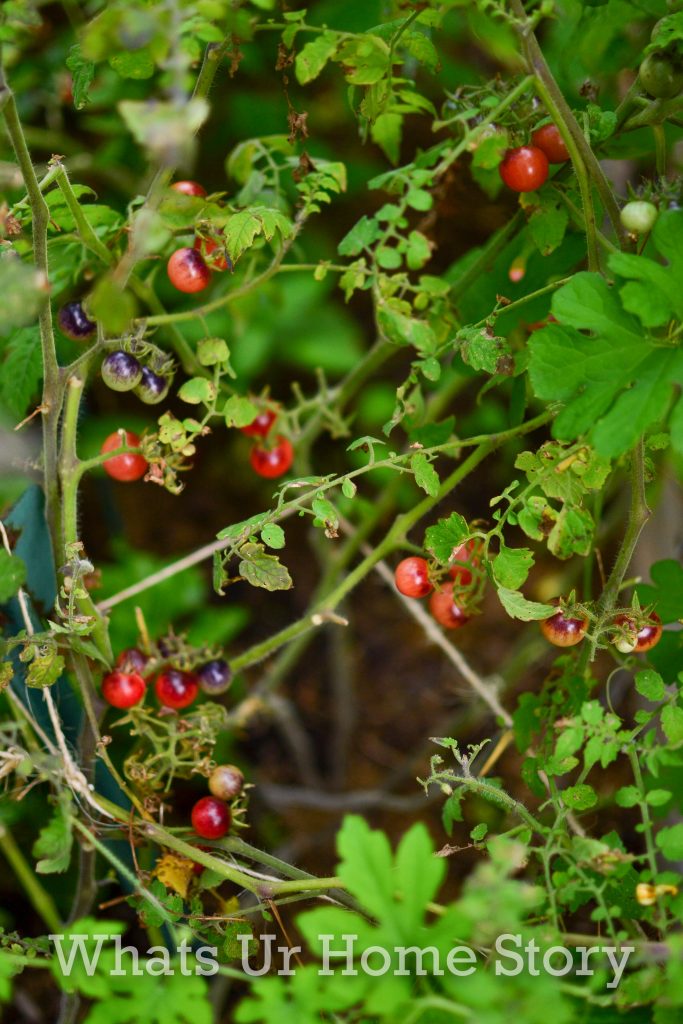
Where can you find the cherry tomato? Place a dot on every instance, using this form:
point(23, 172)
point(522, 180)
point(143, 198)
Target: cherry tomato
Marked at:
point(152, 388)
point(639, 640)
point(128, 466)
point(176, 689)
point(563, 630)
point(132, 660)
point(661, 77)
point(207, 247)
point(211, 818)
point(272, 462)
point(524, 169)
point(445, 610)
point(464, 553)
point(121, 371)
point(187, 271)
point(260, 426)
point(123, 689)
point(548, 139)
point(226, 781)
point(412, 577)
point(189, 188)
point(74, 322)
point(215, 676)
point(638, 217)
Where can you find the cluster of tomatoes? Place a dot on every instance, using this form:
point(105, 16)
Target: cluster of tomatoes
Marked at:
point(452, 604)
point(448, 602)
point(189, 269)
point(525, 168)
point(176, 689)
point(273, 459)
point(126, 686)
point(211, 816)
point(269, 460)
point(121, 371)
point(632, 632)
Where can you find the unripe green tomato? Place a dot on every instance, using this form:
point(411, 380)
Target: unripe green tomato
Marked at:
point(660, 77)
point(639, 217)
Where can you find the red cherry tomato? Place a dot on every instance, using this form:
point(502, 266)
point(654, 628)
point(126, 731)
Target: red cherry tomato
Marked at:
point(548, 139)
point(126, 467)
point(412, 577)
point(123, 689)
point(206, 246)
point(189, 188)
point(211, 818)
point(647, 637)
point(261, 425)
point(464, 553)
point(563, 630)
point(272, 462)
point(445, 610)
point(187, 271)
point(176, 689)
point(524, 169)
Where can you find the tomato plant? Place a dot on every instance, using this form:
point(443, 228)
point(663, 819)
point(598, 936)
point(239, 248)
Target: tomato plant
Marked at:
point(368, 303)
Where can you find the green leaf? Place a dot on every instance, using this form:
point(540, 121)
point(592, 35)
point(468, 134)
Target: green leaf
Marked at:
point(212, 351)
point(366, 865)
point(627, 796)
point(12, 575)
point(650, 685)
point(446, 535)
point(349, 488)
point(273, 535)
point(197, 390)
point(53, 845)
point(659, 797)
point(325, 511)
point(386, 131)
point(313, 57)
point(239, 411)
point(548, 223)
point(23, 288)
point(361, 236)
point(580, 798)
point(672, 723)
point(82, 73)
point(666, 590)
point(419, 250)
point(405, 330)
point(479, 832)
point(138, 64)
point(652, 293)
point(21, 371)
point(614, 384)
point(670, 842)
point(243, 227)
point(263, 570)
point(426, 476)
point(45, 669)
point(112, 306)
point(517, 606)
point(166, 128)
point(417, 879)
point(511, 566)
point(482, 350)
